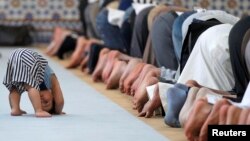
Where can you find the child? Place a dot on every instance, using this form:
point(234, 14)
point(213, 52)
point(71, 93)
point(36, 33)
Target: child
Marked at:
point(29, 71)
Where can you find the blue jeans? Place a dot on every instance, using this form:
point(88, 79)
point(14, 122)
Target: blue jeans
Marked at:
point(111, 35)
point(177, 33)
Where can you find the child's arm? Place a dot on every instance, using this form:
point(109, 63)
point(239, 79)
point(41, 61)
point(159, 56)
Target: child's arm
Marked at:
point(57, 94)
point(36, 102)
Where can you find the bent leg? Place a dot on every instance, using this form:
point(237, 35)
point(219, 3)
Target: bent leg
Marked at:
point(14, 99)
point(36, 102)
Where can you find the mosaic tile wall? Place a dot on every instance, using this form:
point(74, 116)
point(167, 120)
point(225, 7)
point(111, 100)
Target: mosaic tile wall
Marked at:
point(44, 15)
point(235, 7)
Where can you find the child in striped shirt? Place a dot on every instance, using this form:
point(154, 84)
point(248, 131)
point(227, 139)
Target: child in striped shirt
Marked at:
point(29, 71)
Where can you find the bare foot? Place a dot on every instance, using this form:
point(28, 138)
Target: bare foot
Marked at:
point(243, 116)
point(186, 108)
point(140, 98)
point(96, 75)
point(54, 47)
point(194, 92)
point(233, 115)
point(197, 118)
point(50, 48)
point(112, 57)
point(213, 118)
point(248, 119)
point(145, 70)
point(132, 77)
point(78, 53)
point(55, 38)
point(151, 105)
point(42, 114)
point(131, 65)
point(19, 112)
point(84, 63)
point(223, 114)
point(113, 80)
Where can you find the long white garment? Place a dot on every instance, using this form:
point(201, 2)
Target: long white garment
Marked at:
point(209, 62)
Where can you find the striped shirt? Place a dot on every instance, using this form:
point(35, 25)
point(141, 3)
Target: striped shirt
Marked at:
point(24, 66)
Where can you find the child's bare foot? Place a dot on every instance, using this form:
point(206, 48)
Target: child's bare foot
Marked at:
point(17, 112)
point(42, 114)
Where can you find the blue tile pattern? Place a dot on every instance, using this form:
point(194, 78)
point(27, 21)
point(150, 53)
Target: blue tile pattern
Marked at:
point(44, 15)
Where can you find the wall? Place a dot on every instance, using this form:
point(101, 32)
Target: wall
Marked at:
point(235, 7)
point(42, 14)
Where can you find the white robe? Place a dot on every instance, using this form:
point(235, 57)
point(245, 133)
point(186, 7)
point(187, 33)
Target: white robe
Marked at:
point(209, 62)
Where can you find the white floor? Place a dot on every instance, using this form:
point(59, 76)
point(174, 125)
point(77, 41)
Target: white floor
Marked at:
point(90, 116)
